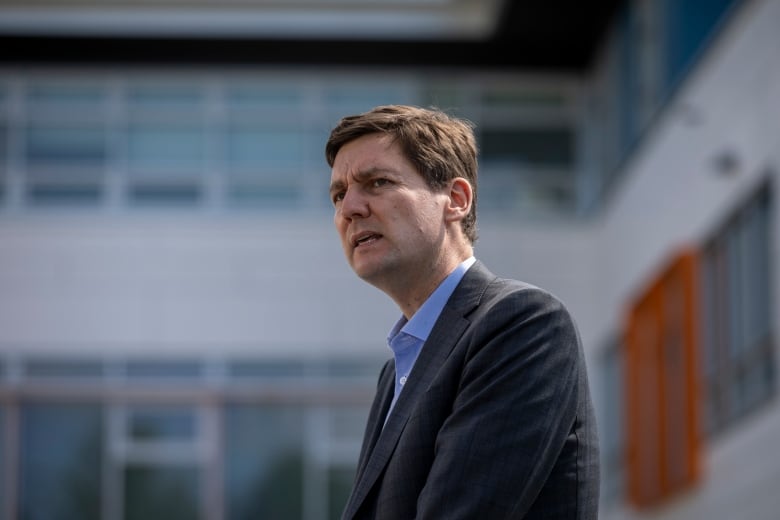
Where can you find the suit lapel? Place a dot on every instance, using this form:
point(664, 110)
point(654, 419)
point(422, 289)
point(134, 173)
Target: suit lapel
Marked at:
point(445, 334)
point(376, 417)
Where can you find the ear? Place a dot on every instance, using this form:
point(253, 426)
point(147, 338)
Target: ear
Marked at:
point(460, 199)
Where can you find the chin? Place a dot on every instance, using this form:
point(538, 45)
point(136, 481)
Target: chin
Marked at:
point(368, 273)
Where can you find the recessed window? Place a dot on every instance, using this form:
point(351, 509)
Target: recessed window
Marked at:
point(60, 461)
point(738, 333)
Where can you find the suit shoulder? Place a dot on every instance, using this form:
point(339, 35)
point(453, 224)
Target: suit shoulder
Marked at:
point(507, 289)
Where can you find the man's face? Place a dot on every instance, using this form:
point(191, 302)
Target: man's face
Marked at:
point(391, 224)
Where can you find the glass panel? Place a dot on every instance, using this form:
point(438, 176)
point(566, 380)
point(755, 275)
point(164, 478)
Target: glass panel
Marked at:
point(354, 368)
point(162, 423)
point(65, 145)
point(314, 145)
point(164, 369)
point(60, 461)
point(688, 25)
point(251, 147)
point(756, 273)
point(739, 336)
point(346, 423)
point(62, 96)
point(270, 195)
point(734, 292)
point(512, 97)
point(166, 147)
point(153, 194)
point(542, 146)
point(445, 96)
point(354, 98)
point(240, 98)
point(263, 462)
point(156, 98)
point(3, 149)
point(70, 194)
point(53, 368)
point(339, 485)
point(169, 493)
point(282, 369)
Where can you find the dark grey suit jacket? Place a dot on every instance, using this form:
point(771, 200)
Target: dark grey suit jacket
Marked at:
point(495, 420)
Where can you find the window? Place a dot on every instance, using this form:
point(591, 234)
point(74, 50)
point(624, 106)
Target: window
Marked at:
point(265, 164)
point(688, 26)
point(107, 439)
point(60, 457)
point(158, 459)
point(738, 333)
point(530, 146)
point(64, 146)
point(255, 142)
point(166, 145)
point(263, 462)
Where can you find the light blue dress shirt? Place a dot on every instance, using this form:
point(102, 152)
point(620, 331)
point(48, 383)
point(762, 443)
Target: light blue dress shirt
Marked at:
point(406, 338)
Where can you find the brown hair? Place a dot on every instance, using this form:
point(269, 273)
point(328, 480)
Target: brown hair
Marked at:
point(441, 147)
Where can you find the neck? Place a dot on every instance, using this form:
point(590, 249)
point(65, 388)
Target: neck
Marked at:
point(410, 295)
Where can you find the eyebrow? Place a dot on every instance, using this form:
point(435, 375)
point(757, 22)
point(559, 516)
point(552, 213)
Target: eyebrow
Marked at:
point(359, 176)
point(336, 186)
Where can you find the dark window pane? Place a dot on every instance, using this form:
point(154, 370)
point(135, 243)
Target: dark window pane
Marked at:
point(166, 195)
point(60, 464)
point(339, 485)
point(164, 369)
point(78, 98)
point(62, 145)
point(164, 493)
point(71, 369)
point(161, 98)
point(162, 423)
point(168, 147)
point(65, 194)
point(551, 147)
point(282, 369)
point(738, 334)
point(247, 193)
point(263, 463)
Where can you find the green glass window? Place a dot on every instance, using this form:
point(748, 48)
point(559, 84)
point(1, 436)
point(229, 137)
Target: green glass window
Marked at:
point(161, 492)
point(263, 462)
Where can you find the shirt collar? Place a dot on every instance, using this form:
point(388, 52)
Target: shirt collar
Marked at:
point(421, 323)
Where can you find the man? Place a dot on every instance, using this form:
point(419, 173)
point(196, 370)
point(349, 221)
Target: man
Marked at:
point(484, 412)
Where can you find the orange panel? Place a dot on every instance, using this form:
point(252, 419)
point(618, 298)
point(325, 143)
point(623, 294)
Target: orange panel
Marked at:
point(662, 374)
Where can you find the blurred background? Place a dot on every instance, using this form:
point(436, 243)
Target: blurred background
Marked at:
point(181, 337)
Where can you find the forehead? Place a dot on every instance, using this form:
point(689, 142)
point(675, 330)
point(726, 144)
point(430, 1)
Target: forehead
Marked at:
point(370, 151)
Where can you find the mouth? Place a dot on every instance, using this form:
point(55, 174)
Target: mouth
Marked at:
point(364, 239)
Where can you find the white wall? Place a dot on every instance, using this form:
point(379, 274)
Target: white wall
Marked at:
point(168, 284)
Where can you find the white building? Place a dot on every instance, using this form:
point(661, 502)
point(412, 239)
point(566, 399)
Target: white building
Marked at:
point(180, 336)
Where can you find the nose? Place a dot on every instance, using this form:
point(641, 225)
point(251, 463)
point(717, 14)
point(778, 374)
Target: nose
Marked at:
point(354, 204)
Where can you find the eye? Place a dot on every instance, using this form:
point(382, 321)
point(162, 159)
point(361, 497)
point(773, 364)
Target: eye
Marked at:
point(379, 182)
point(337, 197)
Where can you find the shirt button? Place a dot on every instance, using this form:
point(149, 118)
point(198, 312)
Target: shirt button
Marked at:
point(402, 380)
